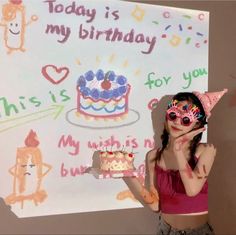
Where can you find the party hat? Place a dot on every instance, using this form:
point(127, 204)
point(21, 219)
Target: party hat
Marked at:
point(209, 99)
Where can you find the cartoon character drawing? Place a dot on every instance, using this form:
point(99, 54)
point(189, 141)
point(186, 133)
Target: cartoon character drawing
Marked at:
point(14, 23)
point(28, 173)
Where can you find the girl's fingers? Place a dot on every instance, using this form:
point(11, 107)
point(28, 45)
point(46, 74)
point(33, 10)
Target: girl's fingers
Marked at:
point(190, 135)
point(193, 133)
point(182, 140)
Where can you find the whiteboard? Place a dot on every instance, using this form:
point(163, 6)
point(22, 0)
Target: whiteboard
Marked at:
point(50, 54)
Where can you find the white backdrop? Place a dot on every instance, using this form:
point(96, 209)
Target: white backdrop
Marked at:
point(167, 52)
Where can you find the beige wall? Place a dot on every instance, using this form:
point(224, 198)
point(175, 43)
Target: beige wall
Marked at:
point(222, 132)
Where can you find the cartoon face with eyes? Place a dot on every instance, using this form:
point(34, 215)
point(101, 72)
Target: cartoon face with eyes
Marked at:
point(28, 173)
point(14, 24)
point(28, 164)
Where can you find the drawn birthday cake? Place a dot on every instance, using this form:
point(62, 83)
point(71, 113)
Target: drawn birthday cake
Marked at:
point(102, 95)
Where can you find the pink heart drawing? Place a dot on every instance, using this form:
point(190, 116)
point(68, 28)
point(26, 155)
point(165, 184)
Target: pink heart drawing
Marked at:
point(53, 74)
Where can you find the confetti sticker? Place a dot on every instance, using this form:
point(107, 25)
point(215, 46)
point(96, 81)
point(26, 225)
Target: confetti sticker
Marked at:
point(166, 14)
point(199, 34)
point(180, 27)
point(168, 27)
point(188, 40)
point(187, 16)
point(175, 41)
point(155, 22)
point(153, 104)
point(201, 16)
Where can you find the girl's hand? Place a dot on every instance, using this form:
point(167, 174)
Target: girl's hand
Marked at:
point(154, 192)
point(151, 196)
point(181, 142)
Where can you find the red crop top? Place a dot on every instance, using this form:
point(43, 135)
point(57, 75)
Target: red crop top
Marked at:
point(173, 198)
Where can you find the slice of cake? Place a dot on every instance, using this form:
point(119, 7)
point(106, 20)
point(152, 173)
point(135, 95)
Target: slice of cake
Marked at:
point(116, 161)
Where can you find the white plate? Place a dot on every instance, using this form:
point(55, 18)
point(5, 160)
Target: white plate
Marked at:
point(91, 123)
point(99, 174)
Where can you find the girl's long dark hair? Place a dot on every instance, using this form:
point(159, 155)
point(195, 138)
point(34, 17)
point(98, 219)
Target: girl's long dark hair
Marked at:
point(186, 96)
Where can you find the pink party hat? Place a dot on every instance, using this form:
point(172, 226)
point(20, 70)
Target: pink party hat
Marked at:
point(209, 99)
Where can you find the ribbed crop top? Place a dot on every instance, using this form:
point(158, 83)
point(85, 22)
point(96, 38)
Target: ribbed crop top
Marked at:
point(173, 198)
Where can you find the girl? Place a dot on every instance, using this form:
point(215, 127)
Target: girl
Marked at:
point(177, 172)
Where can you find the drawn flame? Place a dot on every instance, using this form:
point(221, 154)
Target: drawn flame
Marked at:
point(16, 2)
point(32, 139)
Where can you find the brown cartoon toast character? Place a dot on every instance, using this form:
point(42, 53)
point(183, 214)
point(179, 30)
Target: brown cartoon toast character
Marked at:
point(28, 173)
point(14, 23)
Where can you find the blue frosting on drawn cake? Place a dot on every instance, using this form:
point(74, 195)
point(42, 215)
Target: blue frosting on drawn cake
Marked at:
point(102, 94)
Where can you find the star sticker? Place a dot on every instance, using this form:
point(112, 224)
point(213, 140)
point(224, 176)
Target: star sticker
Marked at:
point(138, 13)
point(175, 41)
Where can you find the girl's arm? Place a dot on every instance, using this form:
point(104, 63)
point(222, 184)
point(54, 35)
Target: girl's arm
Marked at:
point(194, 180)
point(146, 197)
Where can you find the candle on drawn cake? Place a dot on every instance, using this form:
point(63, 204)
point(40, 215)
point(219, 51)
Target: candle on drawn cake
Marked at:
point(28, 173)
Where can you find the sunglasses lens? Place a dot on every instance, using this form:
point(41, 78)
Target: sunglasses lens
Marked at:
point(172, 116)
point(186, 121)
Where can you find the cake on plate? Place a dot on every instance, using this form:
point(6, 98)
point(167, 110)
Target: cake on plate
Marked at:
point(102, 94)
point(115, 161)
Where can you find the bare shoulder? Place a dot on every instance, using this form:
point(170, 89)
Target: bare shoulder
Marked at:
point(151, 155)
point(150, 163)
point(206, 149)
